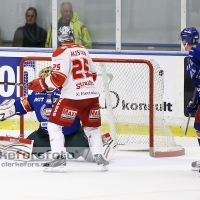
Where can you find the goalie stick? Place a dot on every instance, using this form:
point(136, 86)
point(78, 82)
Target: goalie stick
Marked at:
point(189, 116)
point(16, 84)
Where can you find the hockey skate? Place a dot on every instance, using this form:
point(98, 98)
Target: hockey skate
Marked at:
point(99, 159)
point(195, 165)
point(56, 165)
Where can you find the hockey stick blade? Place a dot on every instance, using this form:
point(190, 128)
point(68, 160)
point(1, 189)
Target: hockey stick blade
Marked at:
point(16, 84)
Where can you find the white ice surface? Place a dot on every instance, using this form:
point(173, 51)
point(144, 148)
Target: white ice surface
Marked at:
point(132, 175)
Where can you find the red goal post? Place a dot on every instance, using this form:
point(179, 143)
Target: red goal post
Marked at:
point(139, 125)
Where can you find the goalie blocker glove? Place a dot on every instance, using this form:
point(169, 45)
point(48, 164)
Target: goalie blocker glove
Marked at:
point(7, 109)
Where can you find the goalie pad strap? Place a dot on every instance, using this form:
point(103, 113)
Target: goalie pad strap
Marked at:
point(17, 140)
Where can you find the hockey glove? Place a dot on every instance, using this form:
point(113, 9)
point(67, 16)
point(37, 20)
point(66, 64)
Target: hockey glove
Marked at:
point(37, 85)
point(7, 109)
point(192, 106)
point(194, 102)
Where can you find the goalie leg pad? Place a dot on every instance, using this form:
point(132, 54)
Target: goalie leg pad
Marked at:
point(7, 109)
point(109, 146)
point(16, 148)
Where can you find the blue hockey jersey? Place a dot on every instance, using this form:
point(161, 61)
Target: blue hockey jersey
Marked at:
point(42, 104)
point(193, 65)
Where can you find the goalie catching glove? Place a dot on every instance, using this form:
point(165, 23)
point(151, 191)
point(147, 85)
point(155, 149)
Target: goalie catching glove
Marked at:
point(7, 109)
point(37, 85)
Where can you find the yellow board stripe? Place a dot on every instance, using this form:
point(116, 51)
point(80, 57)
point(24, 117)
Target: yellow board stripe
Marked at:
point(120, 128)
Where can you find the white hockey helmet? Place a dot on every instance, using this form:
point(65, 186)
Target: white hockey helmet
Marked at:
point(65, 34)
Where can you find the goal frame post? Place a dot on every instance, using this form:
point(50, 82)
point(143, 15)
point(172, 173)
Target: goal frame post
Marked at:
point(21, 78)
point(152, 152)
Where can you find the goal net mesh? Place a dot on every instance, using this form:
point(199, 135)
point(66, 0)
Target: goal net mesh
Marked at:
point(129, 89)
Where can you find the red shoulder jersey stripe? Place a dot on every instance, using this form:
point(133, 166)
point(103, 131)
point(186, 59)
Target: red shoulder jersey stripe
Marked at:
point(58, 51)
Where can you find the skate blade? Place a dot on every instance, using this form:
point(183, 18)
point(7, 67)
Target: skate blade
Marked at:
point(62, 169)
point(195, 168)
point(104, 168)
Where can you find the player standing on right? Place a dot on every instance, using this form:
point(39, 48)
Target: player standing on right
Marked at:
point(190, 39)
point(74, 71)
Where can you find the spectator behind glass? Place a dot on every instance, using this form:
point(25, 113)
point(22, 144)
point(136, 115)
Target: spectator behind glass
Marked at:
point(30, 35)
point(70, 18)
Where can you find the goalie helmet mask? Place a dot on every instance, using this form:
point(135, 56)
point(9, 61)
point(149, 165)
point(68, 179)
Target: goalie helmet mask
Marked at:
point(65, 34)
point(45, 72)
point(190, 35)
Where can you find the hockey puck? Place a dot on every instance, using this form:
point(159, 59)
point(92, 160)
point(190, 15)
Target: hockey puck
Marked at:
point(161, 72)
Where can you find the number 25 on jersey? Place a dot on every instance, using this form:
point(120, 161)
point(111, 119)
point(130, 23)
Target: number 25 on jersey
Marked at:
point(56, 66)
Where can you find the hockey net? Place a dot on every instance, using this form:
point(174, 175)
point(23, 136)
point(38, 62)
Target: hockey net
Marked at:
point(131, 100)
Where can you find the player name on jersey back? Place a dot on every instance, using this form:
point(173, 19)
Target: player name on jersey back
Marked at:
point(78, 53)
